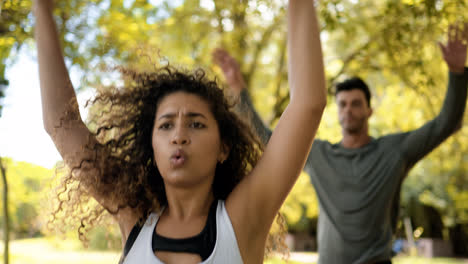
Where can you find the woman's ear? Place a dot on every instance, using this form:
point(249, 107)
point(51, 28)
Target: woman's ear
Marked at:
point(224, 153)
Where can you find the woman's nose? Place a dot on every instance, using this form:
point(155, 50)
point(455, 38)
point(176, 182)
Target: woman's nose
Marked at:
point(180, 137)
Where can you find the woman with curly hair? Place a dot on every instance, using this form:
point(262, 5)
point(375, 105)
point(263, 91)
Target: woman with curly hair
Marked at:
point(172, 163)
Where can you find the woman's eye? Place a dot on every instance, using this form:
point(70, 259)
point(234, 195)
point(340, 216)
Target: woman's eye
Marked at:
point(197, 125)
point(165, 126)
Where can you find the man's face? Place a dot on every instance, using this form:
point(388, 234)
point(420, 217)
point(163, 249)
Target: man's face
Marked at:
point(353, 110)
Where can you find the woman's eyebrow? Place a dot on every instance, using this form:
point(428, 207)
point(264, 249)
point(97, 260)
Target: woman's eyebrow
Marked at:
point(189, 114)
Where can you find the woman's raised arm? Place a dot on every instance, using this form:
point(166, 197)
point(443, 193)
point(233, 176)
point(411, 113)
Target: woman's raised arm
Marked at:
point(60, 110)
point(58, 96)
point(257, 199)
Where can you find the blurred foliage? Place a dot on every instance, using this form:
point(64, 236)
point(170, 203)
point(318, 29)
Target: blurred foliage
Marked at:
point(15, 28)
point(26, 183)
point(389, 43)
point(31, 204)
point(105, 238)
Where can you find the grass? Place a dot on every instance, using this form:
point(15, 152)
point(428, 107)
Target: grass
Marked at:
point(55, 251)
point(418, 260)
point(396, 260)
point(280, 261)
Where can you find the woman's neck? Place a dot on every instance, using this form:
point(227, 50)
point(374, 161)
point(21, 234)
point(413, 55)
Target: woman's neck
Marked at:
point(184, 204)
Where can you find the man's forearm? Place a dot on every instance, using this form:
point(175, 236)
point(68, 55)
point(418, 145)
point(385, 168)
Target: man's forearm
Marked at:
point(454, 105)
point(246, 109)
point(421, 141)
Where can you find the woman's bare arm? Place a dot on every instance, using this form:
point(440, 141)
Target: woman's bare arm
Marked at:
point(256, 200)
point(60, 110)
point(59, 105)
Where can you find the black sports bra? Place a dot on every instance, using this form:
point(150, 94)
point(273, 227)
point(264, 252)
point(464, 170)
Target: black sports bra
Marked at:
point(201, 244)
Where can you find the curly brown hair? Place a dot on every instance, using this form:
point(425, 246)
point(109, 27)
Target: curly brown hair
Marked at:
point(125, 171)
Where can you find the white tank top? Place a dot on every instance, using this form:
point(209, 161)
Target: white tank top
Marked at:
point(225, 251)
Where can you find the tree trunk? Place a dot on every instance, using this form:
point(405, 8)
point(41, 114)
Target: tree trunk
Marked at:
point(459, 238)
point(6, 227)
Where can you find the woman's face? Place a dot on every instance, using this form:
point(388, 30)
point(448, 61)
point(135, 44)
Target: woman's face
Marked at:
point(186, 140)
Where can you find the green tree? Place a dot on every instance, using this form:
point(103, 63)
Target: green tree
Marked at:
point(28, 186)
point(390, 43)
point(6, 218)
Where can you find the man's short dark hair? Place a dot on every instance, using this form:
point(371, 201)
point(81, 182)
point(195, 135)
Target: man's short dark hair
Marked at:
point(354, 83)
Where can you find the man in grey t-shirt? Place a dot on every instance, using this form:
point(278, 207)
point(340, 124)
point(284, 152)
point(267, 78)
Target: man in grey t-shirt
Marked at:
point(358, 179)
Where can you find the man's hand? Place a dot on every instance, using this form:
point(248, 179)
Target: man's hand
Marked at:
point(231, 70)
point(454, 51)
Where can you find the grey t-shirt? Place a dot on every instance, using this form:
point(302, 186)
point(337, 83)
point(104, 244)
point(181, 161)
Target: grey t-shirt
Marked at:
point(358, 189)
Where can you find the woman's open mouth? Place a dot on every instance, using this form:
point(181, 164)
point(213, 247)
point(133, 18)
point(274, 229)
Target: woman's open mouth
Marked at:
point(178, 158)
